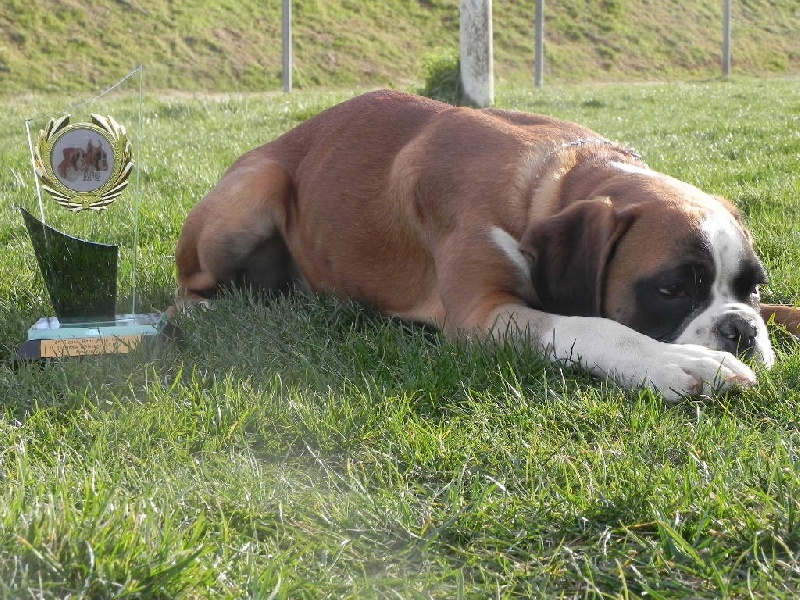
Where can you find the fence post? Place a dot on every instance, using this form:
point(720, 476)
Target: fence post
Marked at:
point(539, 70)
point(477, 68)
point(287, 46)
point(726, 38)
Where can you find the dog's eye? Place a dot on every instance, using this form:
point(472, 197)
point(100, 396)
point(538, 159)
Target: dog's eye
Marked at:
point(674, 290)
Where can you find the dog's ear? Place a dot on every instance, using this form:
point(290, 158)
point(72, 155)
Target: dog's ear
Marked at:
point(569, 254)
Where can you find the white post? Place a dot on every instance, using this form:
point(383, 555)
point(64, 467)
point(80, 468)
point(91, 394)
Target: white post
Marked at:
point(539, 70)
point(287, 46)
point(726, 38)
point(477, 68)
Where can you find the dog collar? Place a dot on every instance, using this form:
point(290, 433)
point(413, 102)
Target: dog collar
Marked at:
point(595, 141)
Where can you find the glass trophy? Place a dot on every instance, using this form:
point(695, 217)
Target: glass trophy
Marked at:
point(84, 228)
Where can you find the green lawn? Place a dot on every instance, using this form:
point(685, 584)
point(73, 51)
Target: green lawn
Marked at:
point(307, 448)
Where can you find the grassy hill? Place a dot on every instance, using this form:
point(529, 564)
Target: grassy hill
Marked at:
point(227, 45)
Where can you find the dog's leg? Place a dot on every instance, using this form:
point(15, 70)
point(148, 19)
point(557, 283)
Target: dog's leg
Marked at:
point(787, 316)
point(602, 346)
point(234, 235)
point(609, 349)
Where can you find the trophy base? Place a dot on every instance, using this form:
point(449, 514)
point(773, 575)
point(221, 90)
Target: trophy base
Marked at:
point(51, 338)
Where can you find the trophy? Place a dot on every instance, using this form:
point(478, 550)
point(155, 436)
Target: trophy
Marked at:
point(82, 168)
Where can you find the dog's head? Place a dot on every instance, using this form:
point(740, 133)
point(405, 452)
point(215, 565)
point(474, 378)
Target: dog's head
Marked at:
point(657, 255)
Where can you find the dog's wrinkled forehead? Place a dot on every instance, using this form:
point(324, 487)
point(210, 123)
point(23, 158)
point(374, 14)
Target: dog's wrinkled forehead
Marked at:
point(713, 220)
point(722, 241)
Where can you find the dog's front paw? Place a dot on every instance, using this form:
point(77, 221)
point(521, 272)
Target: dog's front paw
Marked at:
point(681, 370)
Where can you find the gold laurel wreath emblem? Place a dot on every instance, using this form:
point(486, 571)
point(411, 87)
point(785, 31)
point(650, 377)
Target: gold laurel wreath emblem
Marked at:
point(76, 200)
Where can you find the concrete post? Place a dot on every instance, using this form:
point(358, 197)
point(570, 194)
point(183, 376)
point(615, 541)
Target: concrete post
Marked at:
point(477, 68)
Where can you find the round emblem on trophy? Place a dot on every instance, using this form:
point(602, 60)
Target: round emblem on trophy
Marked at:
point(85, 165)
point(82, 159)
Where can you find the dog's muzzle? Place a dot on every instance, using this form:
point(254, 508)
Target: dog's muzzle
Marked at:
point(738, 332)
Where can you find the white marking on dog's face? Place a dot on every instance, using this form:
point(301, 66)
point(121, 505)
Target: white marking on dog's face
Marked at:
point(732, 315)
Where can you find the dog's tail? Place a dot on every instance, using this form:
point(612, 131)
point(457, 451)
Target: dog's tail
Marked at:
point(784, 315)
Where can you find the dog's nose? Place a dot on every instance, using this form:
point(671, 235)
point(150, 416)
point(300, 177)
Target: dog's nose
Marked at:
point(737, 334)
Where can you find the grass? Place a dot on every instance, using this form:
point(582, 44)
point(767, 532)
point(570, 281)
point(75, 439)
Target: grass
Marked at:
point(309, 448)
point(230, 46)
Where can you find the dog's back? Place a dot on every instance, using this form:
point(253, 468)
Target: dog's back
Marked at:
point(347, 200)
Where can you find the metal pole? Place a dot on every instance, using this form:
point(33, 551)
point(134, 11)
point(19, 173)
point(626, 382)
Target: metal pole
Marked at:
point(287, 46)
point(539, 71)
point(726, 38)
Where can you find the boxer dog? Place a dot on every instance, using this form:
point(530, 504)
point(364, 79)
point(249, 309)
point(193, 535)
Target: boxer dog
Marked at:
point(493, 224)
